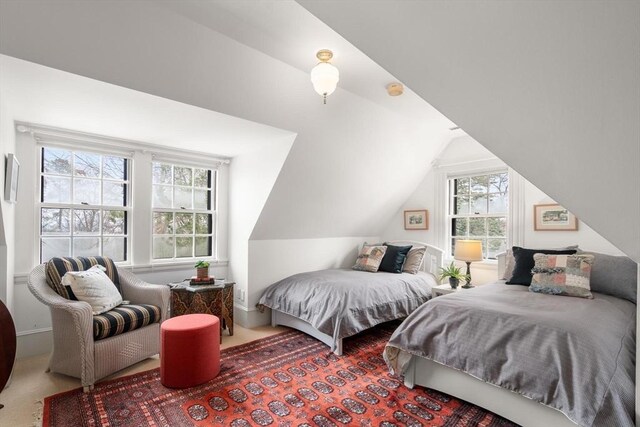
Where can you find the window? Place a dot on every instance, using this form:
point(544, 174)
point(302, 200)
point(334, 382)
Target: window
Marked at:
point(83, 204)
point(478, 210)
point(183, 211)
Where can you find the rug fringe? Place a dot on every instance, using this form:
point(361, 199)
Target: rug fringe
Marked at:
point(37, 414)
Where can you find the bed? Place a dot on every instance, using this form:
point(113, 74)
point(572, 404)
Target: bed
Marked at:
point(534, 359)
point(334, 304)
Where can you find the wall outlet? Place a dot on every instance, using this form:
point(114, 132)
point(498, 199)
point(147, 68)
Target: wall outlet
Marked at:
point(240, 295)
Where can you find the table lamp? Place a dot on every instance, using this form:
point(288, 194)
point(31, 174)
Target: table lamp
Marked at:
point(468, 251)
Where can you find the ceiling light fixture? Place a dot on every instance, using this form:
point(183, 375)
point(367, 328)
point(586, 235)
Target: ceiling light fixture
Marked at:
point(324, 76)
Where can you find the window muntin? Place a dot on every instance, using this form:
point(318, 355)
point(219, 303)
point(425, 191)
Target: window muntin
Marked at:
point(478, 210)
point(183, 211)
point(83, 204)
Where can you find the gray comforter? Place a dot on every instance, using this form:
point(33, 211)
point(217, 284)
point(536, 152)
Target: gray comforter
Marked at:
point(343, 302)
point(573, 354)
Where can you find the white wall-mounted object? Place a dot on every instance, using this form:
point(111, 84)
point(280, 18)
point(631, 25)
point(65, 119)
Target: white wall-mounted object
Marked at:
point(11, 178)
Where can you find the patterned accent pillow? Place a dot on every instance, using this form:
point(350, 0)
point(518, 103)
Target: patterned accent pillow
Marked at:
point(369, 258)
point(567, 275)
point(56, 268)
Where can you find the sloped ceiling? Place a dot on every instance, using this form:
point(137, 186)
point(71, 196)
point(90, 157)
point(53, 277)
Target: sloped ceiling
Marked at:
point(354, 160)
point(552, 88)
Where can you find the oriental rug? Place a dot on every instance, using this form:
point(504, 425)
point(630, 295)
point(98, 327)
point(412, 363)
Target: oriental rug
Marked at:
point(285, 380)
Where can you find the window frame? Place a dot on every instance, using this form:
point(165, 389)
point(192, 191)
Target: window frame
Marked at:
point(450, 205)
point(212, 211)
point(127, 208)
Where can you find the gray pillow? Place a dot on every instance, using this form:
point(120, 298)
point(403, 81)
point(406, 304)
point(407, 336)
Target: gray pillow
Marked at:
point(614, 275)
point(414, 260)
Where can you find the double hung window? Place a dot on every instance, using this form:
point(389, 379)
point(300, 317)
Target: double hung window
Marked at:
point(478, 210)
point(84, 204)
point(183, 211)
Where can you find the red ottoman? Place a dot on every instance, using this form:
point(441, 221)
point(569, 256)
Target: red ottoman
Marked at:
point(190, 350)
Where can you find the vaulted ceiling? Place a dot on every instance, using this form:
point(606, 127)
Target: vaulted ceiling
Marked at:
point(552, 88)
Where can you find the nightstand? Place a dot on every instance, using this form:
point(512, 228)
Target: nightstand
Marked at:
point(436, 291)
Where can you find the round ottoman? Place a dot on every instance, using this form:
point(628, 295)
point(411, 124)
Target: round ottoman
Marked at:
point(190, 350)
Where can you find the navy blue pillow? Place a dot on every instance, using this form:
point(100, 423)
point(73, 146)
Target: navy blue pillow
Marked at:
point(524, 263)
point(394, 258)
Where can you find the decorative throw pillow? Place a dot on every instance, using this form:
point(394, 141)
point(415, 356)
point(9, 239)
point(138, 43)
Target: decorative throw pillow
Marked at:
point(510, 261)
point(94, 287)
point(524, 263)
point(562, 275)
point(369, 258)
point(394, 258)
point(414, 260)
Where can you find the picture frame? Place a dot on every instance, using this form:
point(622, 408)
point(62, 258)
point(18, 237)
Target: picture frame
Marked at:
point(417, 219)
point(12, 173)
point(553, 217)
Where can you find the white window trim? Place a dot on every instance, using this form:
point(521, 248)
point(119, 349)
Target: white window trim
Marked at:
point(138, 153)
point(516, 216)
point(39, 205)
point(213, 211)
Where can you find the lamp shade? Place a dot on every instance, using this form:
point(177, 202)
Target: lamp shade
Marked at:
point(324, 77)
point(468, 250)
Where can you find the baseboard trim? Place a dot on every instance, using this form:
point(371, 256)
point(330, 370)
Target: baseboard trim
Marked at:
point(33, 331)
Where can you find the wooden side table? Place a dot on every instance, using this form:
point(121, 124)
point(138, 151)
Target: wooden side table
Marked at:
point(217, 301)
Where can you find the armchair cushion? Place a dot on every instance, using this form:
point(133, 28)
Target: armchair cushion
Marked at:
point(124, 318)
point(56, 268)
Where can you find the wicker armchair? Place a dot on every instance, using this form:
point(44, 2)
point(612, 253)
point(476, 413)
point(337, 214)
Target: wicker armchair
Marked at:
point(75, 352)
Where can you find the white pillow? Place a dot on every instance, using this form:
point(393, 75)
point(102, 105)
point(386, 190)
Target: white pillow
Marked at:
point(94, 287)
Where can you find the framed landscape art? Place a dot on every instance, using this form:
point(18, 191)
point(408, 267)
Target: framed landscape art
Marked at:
point(416, 220)
point(553, 217)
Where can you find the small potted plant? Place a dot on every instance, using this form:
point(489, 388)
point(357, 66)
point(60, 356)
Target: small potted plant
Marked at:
point(453, 273)
point(202, 269)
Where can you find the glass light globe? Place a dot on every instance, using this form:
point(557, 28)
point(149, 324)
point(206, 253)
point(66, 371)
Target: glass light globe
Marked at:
point(324, 77)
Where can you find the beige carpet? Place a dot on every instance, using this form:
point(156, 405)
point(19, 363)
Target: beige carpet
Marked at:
point(30, 384)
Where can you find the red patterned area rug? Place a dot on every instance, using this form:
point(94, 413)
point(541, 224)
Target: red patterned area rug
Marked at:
point(289, 379)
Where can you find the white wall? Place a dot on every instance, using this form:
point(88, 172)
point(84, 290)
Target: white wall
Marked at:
point(465, 154)
point(272, 260)
point(251, 180)
point(7, 210)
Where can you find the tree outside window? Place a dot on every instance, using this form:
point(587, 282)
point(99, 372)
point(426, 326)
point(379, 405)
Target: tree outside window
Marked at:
point(478, 210)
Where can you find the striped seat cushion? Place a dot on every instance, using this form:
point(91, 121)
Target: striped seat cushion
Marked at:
point(57, 267)
point(124, 318)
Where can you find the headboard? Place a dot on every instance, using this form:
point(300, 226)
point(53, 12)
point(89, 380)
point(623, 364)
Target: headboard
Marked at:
point(502, 264)
point(433, 256)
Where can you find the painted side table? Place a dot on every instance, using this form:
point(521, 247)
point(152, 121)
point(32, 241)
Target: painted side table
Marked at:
point(217, 301)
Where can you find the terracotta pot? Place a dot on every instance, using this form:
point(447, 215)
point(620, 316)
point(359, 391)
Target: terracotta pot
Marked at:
point(202, 272)
point(453, 282)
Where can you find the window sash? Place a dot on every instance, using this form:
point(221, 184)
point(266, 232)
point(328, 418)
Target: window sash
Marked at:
point(452, 215)
point(72, 235)
point(211, 211)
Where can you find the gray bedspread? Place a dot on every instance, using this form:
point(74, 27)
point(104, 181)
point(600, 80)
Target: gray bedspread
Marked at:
point(343, 302)
point(573, 354)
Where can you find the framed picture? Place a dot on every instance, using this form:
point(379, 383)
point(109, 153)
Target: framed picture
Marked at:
point(11, 179)
point(553, 217)
point(416, 220)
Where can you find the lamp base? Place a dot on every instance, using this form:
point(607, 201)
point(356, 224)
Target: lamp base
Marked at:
point(468, 284)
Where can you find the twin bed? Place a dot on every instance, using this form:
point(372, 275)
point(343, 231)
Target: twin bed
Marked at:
point(334, 304)
point(532, 358)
